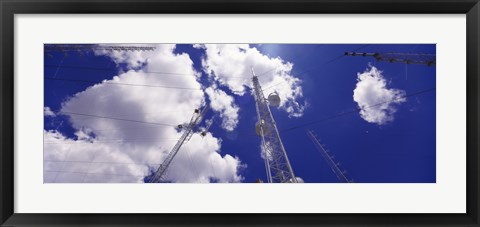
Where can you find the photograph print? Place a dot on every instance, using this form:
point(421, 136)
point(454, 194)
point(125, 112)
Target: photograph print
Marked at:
point(239, 113)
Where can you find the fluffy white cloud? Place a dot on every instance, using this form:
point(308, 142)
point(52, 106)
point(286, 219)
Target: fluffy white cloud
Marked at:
point(230, 65)
point(47, 112)
point(376, 101)
point(224, 104)
point(133, 59)
point(138, 147)
point(96, 160)
point(89, 161)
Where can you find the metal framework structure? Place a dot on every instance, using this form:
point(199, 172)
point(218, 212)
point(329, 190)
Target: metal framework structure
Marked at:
point(277, 165)
point(329, 158)
point(161, 173)
point(80, 48)
point(407, 58)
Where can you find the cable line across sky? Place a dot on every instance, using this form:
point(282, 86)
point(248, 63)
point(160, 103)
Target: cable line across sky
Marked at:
point(355, 110)
point(123, 84)
point(95, 131)
point(118, 119)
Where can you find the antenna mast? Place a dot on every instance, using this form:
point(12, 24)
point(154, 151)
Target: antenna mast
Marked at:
point(87, 47)
point(161, 173)
point(407, 58)
point(277, 164)
point(334, 166)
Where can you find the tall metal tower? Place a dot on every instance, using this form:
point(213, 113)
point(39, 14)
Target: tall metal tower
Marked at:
point(161, 173)
point(407, 58)
point(277, 164)
point(329, 158)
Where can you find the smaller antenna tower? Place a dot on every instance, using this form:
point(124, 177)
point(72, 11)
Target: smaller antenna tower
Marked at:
point(335, 166)
point(407, 58)
point(161, 173)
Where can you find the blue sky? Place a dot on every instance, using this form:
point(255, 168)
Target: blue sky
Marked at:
point(319, 86)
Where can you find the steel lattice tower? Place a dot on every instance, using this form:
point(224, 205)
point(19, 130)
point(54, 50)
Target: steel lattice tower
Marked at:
point(93, 47)
point(161, 173)
point(341, 175)
point(83, 49)
point(407, 58)
point(277, 165)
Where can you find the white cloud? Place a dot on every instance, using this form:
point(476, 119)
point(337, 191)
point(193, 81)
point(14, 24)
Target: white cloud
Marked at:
point(225, 105)
point(88, 161)
point(376, 101)
point(96, 160)
point(230, 65)
point(135, 59)
point(139, 146)
point(47, 112)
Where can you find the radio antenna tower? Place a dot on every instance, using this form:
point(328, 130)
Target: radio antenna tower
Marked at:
point(329, 158)
point(84, 48)
point(277, 164)
point(407, 58)
point(188, 130)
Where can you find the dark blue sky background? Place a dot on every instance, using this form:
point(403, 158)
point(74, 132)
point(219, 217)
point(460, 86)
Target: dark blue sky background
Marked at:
point(401, 151)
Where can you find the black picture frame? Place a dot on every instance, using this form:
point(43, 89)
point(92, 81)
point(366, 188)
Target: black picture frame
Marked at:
point(9, 8)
